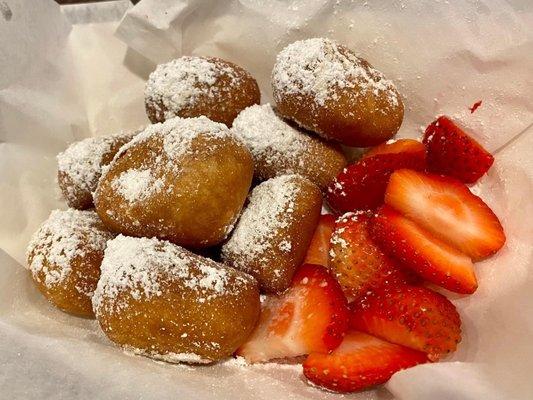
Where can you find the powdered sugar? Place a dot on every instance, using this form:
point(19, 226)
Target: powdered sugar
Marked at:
point(318, 66)
point(175, 358)
point(240, 362)
point(269, 210)
point(137, 185)
point(140, 266)
point(279, 149)
point(179, 83)
point(63, 237)
point(82, 162)
point(268, 136)
point(178, 134)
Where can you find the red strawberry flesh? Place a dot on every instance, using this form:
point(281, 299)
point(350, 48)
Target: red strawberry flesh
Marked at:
point(312, 315)
point(429, 257)
point(448, 210)
point(318, 251)
point(361, 186)
point(450, 151)
point(356, 261)
point(360, 362)
point(398, 146)
point(410, 316)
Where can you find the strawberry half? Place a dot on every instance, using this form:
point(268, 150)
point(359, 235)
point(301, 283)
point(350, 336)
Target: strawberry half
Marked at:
point(447, 209)
point(432, 259)
point(411, 316)
point(318, 251)
point(358, 264)
point(312, 315)
point(361, 361)
point(450, 151)
point(411, 146)
point(361, 186)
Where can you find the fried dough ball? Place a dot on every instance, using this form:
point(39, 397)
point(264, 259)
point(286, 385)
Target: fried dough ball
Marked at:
point(274, 231)
point(80, 167)
point(324, 87)
point(279, 149)
point(162, 301)
point(193, 86)
point(184, 180)
point(64, 258)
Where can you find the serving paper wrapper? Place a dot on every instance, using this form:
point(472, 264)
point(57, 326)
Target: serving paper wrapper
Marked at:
point(65, 76)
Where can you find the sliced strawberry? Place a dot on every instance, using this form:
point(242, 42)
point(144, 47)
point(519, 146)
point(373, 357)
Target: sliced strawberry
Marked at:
point(361, 186)
point(357, 263)
point(312, 315)
point(452, 152)
point(411, 316)
point(318, 251)
point(361, 361)
point(447, 209)
point(432, 259)
point(411, 146)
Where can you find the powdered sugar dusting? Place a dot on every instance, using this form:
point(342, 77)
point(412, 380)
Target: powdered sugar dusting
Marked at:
point(270, 207)
point(179, 83)
point(174, 358)
point(140, 266)
point(178, 134)
point(82, 162)
point(63, 237)
point(318, 66)
point(137, 185)
point(268, 136)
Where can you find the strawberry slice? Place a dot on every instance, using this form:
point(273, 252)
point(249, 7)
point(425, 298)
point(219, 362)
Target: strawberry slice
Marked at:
point(318, 251)
point(398, 146)
point(361, 186)
point(447, 209)
point(312, 315)
point(357, 263)
point(432, 259)
point(452, 152)
point(411, 316)
point(361, 361)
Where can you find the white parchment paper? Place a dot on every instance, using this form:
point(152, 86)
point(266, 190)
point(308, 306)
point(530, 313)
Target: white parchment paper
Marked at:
point(64, 76)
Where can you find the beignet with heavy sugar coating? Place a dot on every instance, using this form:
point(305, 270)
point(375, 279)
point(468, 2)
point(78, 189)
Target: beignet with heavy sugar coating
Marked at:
point(193, 86)
point(184, 180)
point(64, 258)
point(162, 301)
point(326, 88)
point(271, 238)
point(280, 149)
point(79, 167)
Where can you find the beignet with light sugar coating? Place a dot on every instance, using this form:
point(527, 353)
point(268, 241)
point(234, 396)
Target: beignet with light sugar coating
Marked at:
point(64, 258)
point(324, 87)
point(79, 167)
point(184, 180)
point(272, 236)
point(193, 86)
point(280, 149)
point(160, 300)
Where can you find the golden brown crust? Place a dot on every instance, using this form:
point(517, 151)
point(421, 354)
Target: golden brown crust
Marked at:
point(271, 242)
point(363, 109)
point(234, 89)
point(64, 258)
point(196, 312)
point(200, 192)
